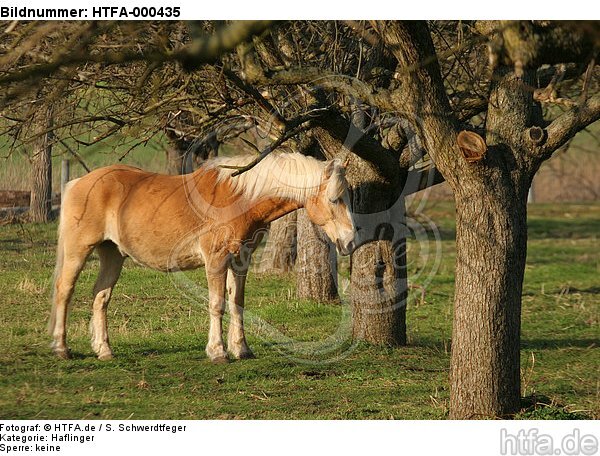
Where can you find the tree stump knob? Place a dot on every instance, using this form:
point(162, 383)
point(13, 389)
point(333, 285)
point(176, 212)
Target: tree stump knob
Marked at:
point(471, 145)
point(536, 135)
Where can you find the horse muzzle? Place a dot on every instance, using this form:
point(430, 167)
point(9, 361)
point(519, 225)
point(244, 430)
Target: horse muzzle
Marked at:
point(345, 249)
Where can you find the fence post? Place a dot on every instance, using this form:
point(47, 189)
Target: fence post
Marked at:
point(531, 194)
point(65, 171)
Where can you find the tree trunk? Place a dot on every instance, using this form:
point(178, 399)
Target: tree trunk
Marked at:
point(491, 245)
point(279, 254)
point(40, 209)
point(178, 161)
point(378, 277)
point(316, 272)
point(316, 276)
point(378, 274)
point(379, 292)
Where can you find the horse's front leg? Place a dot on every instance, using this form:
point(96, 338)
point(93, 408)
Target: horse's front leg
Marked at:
point(236, 340)
point(216, 307)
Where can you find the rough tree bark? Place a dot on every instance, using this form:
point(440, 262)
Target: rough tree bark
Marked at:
point(316, 271)
point(378, 267)
point(491, 245)
point(379, 293)
point(378, 273)
point(40, 209)
point(316, 274)
point(279, 254)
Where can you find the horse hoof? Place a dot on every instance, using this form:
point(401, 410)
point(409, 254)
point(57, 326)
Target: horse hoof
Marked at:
point(63, 354)
point(220, 360)
point(105, 356)
point(247, 355)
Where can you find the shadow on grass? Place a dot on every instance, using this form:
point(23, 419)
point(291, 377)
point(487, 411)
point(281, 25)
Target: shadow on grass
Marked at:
point(559, 291)
point(559, 343)
point(539, 229)
point(12, 245)
point(444, 346)
point(540, 407)
point(562, 228)
point(590, 290)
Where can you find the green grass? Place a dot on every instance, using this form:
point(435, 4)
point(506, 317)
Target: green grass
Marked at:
point(305, 366)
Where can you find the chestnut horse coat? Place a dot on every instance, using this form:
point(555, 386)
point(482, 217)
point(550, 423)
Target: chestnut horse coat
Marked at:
point(172, 223)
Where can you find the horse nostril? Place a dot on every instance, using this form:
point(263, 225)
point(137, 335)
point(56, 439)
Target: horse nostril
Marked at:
point(343, 249)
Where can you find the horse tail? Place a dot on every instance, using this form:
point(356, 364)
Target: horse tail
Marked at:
point(60, 259)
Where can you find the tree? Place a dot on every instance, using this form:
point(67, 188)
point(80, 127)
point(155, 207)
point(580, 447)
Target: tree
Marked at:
point(409, 103)
point(378, 273)
point(490, 190)
point(490, 194)
point(316, 274)
point(316, 268)
point(41, 177)
point(378, 294)
point(279, 255)
point(127, 95)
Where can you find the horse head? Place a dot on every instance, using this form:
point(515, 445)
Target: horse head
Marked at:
point(330, 208)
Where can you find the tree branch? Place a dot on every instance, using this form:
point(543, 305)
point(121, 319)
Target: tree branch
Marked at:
point(384, 160)
point(529, 44)
point(292, 128)
point(206, 49)
point(421, 96)
point(420, 179)
point(264, 104)
point(76, 155)
point(328, 80)
point(563, 128)
point(209, 48)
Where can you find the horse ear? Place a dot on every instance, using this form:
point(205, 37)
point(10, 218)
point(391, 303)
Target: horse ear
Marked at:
point(330, 168)
point(346, 162)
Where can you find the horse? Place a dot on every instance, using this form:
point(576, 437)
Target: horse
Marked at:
point(173, 223)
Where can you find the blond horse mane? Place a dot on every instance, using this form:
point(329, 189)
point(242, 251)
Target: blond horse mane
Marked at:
point(286, 175)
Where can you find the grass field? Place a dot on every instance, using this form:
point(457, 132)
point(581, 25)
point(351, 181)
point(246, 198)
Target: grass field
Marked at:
point(158, 325)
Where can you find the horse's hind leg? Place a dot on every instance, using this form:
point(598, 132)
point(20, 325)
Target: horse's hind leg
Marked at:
point(111, 263)
point(66, 276)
